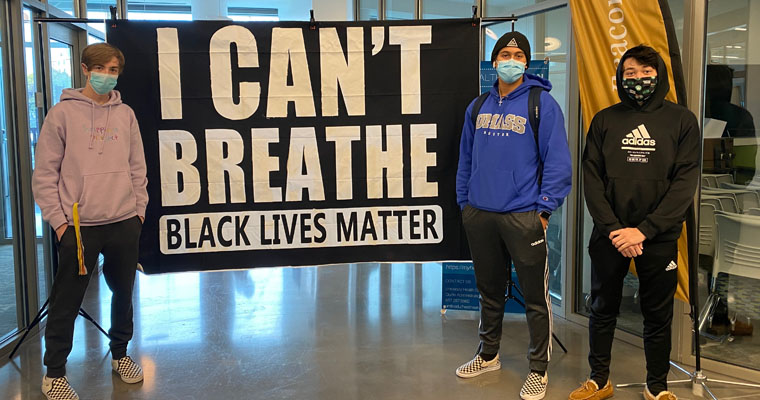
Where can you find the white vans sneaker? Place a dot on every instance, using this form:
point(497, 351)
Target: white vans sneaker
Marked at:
point(478, 366)
point(58, 389)
point(127, 369)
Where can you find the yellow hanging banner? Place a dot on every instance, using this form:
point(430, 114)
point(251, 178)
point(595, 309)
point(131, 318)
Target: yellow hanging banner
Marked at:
point(604, 30)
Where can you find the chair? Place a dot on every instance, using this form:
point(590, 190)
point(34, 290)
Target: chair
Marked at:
point(733, 186)
point(706, 229)
point(737, 245)
point(710, 179)
point(712, 201)
point(723, 178)
point(745, 199)
point(737, 252)
point(727, 202)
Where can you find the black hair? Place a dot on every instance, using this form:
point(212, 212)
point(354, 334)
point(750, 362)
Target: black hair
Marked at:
point(644, 54)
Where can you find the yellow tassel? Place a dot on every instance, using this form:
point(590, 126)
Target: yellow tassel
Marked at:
point(80, 247)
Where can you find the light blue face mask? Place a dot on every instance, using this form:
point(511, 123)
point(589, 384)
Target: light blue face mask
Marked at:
point(102, 83)
point(510, 71)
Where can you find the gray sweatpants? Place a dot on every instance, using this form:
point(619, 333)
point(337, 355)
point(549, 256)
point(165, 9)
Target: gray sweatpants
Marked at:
point(496, 240)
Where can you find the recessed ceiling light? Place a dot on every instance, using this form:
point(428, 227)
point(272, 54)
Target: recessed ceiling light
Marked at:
point(552, 43)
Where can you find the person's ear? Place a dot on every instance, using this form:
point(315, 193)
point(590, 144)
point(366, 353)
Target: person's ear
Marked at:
point(85, 71)
point(495, 64)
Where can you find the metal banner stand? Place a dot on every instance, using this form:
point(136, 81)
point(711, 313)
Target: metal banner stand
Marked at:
point(43, 311)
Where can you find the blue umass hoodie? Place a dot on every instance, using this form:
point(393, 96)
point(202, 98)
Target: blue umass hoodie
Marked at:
point(498, 159)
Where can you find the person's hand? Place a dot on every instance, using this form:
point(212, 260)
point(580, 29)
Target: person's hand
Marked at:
point(142, 219)
point(544, 221)
point(59, 231)
point(626, 237)
point(632, 251)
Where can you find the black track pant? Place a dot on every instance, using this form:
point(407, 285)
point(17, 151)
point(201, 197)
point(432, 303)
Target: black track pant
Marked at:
point(658, 279)
point(496, 240)
point(118, 242)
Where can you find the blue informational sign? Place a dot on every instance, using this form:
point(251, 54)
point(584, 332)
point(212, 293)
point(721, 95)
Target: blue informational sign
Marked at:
point(461, 293)
point(488, 72)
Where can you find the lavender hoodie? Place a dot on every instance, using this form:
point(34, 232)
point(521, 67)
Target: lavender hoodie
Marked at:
point(91, 154)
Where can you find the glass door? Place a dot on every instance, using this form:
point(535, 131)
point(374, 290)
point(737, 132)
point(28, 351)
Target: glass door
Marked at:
point(729, 227)
point(8, 245)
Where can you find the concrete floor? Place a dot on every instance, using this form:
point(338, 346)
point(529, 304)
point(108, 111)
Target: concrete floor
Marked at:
point(359, 331)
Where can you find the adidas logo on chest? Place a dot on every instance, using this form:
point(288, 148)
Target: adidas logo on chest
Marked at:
point(639, 137)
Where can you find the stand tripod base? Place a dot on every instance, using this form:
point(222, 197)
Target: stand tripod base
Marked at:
point(698, 382)
point(42, 313)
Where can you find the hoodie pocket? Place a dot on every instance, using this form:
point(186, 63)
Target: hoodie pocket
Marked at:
point(106, 197)
point(634, 199)
point(493, 189)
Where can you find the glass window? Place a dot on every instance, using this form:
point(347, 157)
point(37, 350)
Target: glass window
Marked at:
point(630, 318)
point(729, 243)
point(548, 38)
point(93, 39)
point(8, 296)
point(66, 6)
point(505, 8)
point(60, 66)
point(368, 10)
point(447, 9)
point(159, 10)
point(399, 9)
point(30, 63)
point(99, 9)
point(237, 10)
point(240, 10)
point(290, 10)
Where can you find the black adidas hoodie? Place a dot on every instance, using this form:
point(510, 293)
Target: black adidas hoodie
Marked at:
point(641, 164)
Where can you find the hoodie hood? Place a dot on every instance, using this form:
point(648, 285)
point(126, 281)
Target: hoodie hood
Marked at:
point(529, 81)
point(114, 97)
point(655, 101)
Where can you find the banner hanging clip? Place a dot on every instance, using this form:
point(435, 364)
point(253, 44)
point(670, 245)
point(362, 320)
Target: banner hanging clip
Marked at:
point(312, 22)
point(112, 9)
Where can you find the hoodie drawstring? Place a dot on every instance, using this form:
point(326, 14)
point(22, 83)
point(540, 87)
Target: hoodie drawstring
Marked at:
point(92, 124)
point(80, 246)
point(105, 131)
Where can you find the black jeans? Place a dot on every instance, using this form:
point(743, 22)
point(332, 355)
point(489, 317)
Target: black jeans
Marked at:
point(496, 240)
point(658, 279)
point(118, 242)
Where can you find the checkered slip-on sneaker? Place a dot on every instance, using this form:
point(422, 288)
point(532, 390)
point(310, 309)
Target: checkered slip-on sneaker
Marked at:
point(478, 366)
point(127, 369)
point(58, 389)
point(534, 387)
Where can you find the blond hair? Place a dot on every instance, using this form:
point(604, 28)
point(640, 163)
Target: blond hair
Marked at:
point(101, 54)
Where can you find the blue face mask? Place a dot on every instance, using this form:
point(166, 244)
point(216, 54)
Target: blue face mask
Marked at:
point(510, 71)
point(102, 83)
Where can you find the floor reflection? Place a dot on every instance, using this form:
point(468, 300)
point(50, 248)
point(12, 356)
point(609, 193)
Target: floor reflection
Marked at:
point(352, 331)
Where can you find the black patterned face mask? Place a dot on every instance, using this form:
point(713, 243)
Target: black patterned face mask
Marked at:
point(640, 89)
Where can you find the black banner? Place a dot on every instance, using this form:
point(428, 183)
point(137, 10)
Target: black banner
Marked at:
point(288, 144)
